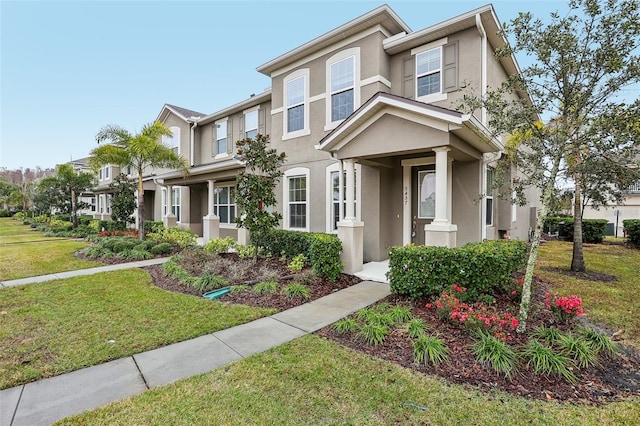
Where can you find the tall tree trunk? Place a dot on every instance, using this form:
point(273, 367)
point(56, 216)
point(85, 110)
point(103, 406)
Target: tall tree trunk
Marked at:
point(577, 261)
point(525, 301)
point(74, 212)
point(140, 206)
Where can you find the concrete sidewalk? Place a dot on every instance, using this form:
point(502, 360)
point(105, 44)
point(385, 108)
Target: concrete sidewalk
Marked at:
point(77, 272)
point(46, 401)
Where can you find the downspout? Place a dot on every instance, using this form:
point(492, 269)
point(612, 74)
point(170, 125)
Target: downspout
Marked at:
point(192, 154)
point(483, 67)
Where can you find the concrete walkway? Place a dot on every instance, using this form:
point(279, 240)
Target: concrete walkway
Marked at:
point(46, 401)
point(77, 272)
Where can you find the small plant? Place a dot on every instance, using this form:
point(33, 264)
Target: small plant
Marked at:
point(381, 307)
point(430, 350)
point(238, 288)
point(236, 271)
point(138, 255)
point(162, 248)
point(579, 349)
point(307, 277)
point(564, 308)
point(245, 252)
point(267, 274)
point(551, 335)
point(416, 328)
point(266, 287)
point(373, 334)
point(297, 290)
point(490, 350)
point(545, 361)
point(210, 282)
point(219, 245)
point(297, 263)
point(95, 252)
point(174, 236)
point(400, 314)
point(601, 343)
point(347, 325)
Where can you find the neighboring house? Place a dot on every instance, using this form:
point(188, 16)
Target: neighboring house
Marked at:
point(82, 166)
point(376, 151)
point(629, 209)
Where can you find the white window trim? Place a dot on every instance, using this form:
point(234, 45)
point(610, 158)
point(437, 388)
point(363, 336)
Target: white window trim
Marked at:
point(295, 172)
point(215, 153)
point(434, 97)
point(347, 53)
point(514, 207)
point(178, 190)
point(244, 116)
point(488, 196)
point(335, 167)
point(223, 225)
point(306, 130)
point(164, 203)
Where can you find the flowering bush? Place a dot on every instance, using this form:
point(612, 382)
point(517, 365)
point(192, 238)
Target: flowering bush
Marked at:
point(473, 316)
point(564, 308)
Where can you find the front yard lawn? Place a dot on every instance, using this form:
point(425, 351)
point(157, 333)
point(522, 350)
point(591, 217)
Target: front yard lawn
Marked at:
point(315, 381)
point(59, 326)
point(26, 253)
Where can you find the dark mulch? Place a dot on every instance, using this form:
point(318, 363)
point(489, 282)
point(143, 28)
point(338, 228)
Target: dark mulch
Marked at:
point(616, 379)
point(589, 275)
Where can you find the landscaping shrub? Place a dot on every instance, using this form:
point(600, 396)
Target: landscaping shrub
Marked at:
point(593, 230)
point(482, 268)
point(110, 225)
point(5, 213)
point(632, 230)
point(219, 245)
point(174, 236)
point(551, 223)
point(153, 225)
point(322, 250)
point(19, 216)
point(162, 248)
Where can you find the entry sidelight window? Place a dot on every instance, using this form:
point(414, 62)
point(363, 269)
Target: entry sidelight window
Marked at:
point(426, 194)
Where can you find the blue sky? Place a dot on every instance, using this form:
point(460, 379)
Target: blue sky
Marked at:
point(70, 67)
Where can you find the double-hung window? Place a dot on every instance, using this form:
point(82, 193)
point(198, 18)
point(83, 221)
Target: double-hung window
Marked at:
point(223, 204)
point(296, 199)
point(428, 72)
point(251, 124)
point(107, 170)
point(335, 195)
point(175, 202)
point(295, 104)
point(342, 88)
point(221, 138)
point(489, 197)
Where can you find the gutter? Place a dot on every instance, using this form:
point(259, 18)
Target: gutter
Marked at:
point(192, 141)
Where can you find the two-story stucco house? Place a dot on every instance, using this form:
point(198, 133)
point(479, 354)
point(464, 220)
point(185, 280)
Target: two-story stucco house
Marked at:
point(376, 150)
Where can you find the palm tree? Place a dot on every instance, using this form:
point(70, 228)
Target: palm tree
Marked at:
point(140, 151)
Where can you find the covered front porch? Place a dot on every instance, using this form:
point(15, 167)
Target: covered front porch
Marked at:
point(423, 171)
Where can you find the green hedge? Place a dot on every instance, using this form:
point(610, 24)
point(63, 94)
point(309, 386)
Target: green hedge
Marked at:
point(593, 230)
point(632, 230)
point(551, 223)
point(483, 268)
point(322, 250)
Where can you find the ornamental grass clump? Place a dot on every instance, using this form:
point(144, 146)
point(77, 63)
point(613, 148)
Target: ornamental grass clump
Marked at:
point(346, 325)
point(551, 335)
point(296, 290)
point(373, 333)
point(266, 287)
point(601, 343)
point(430, 350)
point(489, 350)
point(544, 360)
point(416, 327)
point(579, 349)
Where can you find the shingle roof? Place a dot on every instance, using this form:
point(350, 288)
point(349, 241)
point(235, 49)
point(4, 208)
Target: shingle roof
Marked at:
point(186, 113)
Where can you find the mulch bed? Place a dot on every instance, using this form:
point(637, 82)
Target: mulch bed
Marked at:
point(616, 379)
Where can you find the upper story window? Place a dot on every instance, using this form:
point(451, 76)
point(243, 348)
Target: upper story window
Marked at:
point(220, 144)
point(343, 86)
point(173, 141)
point(342, 89)
point(428, 72)
point(251, 124)
point(295, 104)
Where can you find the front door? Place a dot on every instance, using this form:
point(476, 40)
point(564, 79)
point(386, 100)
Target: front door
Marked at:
point(423, 200)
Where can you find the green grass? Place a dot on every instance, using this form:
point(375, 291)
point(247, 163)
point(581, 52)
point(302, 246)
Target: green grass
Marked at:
point(25, 253)
point(51, 328)
point(315, 381)
point(615, 304)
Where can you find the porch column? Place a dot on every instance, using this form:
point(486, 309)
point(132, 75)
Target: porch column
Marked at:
point(170, 219)
point(211, 222)
point(350, 230)
point(441, 232)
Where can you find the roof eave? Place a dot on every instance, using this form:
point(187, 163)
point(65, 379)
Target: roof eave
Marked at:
point(253, 100)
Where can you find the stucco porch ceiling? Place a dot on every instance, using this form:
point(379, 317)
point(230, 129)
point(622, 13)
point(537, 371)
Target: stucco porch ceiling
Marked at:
point(388, 125)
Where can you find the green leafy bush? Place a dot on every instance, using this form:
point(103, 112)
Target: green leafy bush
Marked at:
point(483, 268)
point(5, 213)
point(322, 250)
point(245, 252)
point(632, 230)
point(174, 236)
point(153, 225)
point(110, 225)
point(19, 216)
point(593, 230)
point(297, 263)
point(550, 225)
point(162, 248)
point(219, 245)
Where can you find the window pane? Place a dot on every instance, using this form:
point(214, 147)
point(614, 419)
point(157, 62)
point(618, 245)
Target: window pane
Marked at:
point(251, 134)
point(224, 214)
point(251, 124)
point(224, 195)
point(341, 105)
point(489, 188)
point(426, 194)
point(298, 189)
point(295, 118)
point(298, 216)
point(428, 61)
point(342, 75)
point(489, 219)
point(221, 130)
point(295, 92)
point(429, 84)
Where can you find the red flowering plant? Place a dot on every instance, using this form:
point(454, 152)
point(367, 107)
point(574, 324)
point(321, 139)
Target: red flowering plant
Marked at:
point(515, 290)
point(564, 308)
point(474, 316)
